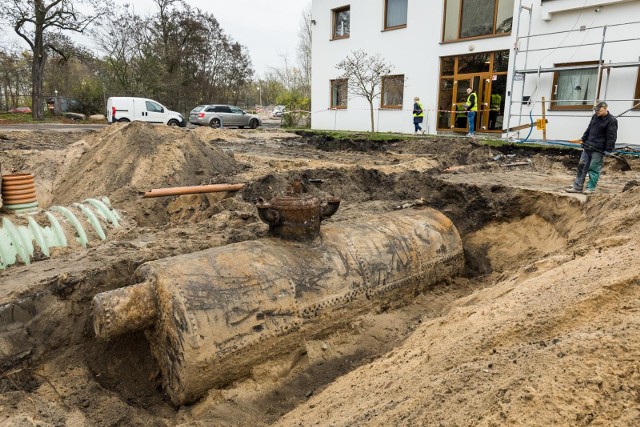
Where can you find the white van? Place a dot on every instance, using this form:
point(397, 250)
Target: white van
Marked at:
point(128, 109)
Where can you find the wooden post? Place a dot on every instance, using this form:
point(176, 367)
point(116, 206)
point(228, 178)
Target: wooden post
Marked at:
point(544, 121)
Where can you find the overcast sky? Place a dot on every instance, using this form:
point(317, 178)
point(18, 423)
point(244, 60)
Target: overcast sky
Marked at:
point(268, 28)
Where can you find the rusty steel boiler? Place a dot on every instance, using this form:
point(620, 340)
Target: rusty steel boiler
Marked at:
point(211, 316)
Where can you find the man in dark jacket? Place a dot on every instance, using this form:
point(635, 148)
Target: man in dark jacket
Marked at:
point(599, 139)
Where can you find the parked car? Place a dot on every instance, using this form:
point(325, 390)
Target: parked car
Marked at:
point(217, 115)
point(129, 109)
point(278, 111)
point(65, 104)
point(25, 110)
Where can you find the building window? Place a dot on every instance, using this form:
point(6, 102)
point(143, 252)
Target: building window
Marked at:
point(476, 18)
point(339, 93)
point(395, 14)
point(392, 91)
point(574, 89)
point(341, 22)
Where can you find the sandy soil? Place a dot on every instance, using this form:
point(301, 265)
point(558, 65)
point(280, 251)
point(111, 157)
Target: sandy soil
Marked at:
point(541, 329)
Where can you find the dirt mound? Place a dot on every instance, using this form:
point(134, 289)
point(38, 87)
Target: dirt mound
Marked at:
point(125, 160)
point(209, 134)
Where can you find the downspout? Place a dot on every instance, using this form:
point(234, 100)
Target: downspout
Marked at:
point(526, 60)
point(604, 33)
point(606, 85)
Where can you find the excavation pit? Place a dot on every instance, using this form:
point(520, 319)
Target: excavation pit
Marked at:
point(549, 285)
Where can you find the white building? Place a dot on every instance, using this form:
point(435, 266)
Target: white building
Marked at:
point(567, 53)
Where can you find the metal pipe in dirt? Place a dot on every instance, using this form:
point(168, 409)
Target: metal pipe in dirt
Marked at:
point(211, 316)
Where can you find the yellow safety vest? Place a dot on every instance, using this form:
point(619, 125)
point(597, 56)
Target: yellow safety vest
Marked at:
point(496, 100)
point(475, 104)
point(421, 114)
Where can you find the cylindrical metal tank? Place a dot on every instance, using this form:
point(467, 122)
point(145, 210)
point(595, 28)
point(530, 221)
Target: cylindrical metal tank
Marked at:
point(212, 315)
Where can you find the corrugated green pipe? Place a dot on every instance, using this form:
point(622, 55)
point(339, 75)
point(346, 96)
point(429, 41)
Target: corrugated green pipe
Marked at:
point(19, 242)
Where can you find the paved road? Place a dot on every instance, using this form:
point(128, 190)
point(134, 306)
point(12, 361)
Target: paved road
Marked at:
point(60, 127)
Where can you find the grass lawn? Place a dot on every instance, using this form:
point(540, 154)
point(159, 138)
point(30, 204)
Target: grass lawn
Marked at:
point(16, 118)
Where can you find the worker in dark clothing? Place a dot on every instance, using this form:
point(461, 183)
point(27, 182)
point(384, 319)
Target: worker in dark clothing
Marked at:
point(494, 111)
point(461, 116)
point(599, 139)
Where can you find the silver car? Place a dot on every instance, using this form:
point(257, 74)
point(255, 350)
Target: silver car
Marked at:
point(278, 111)
point(217, 115)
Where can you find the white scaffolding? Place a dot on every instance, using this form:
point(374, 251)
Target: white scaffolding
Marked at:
point(521, 73)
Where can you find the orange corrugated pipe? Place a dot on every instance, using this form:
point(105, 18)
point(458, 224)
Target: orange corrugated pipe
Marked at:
point(196, 189)
point(18, 189)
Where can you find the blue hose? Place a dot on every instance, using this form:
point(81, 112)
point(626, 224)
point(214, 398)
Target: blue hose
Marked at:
point(531, 128)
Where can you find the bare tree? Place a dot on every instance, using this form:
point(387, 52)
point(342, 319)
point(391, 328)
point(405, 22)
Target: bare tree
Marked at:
point(192, 59)
point(304, 49)
point(32, 20)
point(122, 36)
point(270, 86)
point(14, 78)
point(285, 73)
point(364, 74)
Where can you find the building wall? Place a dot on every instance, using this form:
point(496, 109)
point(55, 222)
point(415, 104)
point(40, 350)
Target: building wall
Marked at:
point(415, 51)
point(412, 51)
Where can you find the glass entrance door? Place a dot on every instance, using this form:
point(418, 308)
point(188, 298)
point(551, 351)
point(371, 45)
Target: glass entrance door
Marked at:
point(486, 73)
point(459, 105)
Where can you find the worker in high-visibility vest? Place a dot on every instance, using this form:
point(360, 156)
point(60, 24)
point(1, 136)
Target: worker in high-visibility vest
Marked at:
point(418, 115)
point(461, 116)
point(472, 108)
point(494, 109)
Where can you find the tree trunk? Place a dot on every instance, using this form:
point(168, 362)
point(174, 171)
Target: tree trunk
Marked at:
point(37, 70)
point(7, 94)
point(371, 111)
